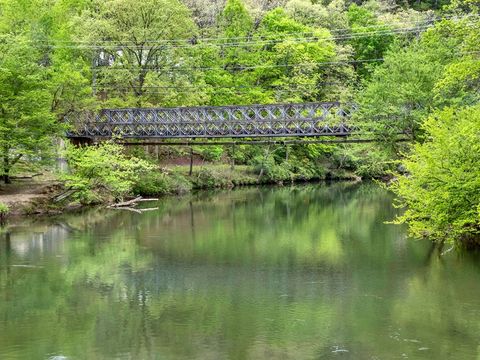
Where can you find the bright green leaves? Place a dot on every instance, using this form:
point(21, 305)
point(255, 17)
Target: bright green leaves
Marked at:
point(235, 21)
point(102, 173)
point(135, 63)
point(277, 59)
point(26, 123)
point(297, 68)
point(371, 38)
point(442, 190)
point(415, 80)
point(42, 77)
point(460, 84)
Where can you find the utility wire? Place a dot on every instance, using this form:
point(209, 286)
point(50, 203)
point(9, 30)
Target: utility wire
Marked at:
point(146, 89)
point(119, 45)
point(304, 34)
point(206, 86)
point(243, 68)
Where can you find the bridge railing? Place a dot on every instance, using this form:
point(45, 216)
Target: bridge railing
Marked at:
point(307, 119)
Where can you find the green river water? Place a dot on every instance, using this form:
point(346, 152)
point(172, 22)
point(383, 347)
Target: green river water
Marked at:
point(303, 272)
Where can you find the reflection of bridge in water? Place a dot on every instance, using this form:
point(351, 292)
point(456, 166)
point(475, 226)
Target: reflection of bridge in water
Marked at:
point(320, 119)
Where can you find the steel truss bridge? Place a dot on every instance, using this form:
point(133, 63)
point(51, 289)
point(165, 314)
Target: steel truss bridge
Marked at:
point(252, 122)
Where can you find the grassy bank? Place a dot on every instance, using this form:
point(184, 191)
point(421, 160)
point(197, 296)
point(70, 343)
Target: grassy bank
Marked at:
point(41, 196)
point(176, 180)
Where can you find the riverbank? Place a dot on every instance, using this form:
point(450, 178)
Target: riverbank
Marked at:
point(29, 196)
point(24, 197)
point(177, 180)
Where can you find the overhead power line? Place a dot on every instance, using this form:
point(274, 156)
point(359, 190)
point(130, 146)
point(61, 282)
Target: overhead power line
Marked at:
point(238, 88)
point(247, 67)
point(206, 86)
point(240, 67)
point(300, 34)
point(146, 45)
point(119, 45)
point(209, 88)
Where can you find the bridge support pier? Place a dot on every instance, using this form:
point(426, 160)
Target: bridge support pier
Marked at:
point(191, 162)
point(232, 165)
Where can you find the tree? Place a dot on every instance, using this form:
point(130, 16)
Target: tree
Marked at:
point(460, 83)
point(26, 123)
point(294, 69)
point(441, 192)
point(69, 67)
point(228, 60)
point(400, 94)
point(139, 51)
point(363, 21)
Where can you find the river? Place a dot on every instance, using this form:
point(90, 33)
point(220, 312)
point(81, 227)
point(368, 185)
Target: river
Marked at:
point(302, 272)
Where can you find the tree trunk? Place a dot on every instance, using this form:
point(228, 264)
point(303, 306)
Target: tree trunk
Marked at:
point(6, 166)
point(6, 178)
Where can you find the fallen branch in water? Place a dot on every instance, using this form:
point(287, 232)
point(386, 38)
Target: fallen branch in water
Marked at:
point(126, 203)
point(138, 211)
point(130, 203)
point(127, 208)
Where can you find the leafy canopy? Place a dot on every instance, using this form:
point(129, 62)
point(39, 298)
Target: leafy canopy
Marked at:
point(441, 192)
point(26, 122)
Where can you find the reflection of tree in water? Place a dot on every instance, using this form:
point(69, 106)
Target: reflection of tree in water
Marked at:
point(303, 224)
point(253, 273)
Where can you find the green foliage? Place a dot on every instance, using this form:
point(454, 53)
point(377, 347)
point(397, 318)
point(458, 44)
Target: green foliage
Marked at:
point(210, 152)
point(26, 123)
point(155, 183)
point(209, 178)
point(102, 172)
point(266, 167)
point(442, 188)
point(439, 69)
point(130, 79)
point(408, 85)
point(369, 161)
point(331, 15)
point(4, 209)
point(460, 83)
point(303, 79)
point(244, 153)
point(235, 20)
point(362, 20)
point(40, 83)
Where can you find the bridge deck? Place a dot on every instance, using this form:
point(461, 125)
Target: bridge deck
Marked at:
point(250, 121)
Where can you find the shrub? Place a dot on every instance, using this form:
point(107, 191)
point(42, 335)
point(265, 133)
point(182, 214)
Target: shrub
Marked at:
point(211, 178)
point(211, 152)
point(441, 192)
point(4, 210)
point(102, 172)
point(366, 160)
point(244, 154)
point(266, 167)
point(156, 183)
